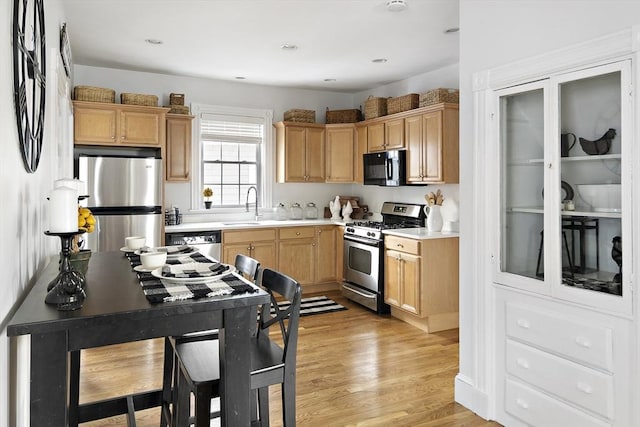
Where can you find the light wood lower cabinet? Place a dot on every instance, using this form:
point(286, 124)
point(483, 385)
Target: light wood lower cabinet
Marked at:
point(421, 281)
point(179, 147)
point(96, 123)
point(258, 243)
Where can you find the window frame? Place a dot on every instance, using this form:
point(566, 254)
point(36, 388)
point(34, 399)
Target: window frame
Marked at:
point(266, 161)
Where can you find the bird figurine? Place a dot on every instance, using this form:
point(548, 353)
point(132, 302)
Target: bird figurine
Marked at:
point(616, 254)
point(599, 146)
point(334, 208)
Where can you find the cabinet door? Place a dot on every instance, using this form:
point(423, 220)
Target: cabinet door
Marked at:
point(360, 149)
point(296, 259)
point(295, 154)
point(229, 251)
point(265, 253)
point(92, 125)
point(415, 153)
point(141, 128)
point(375, 137)
point(315, 155)
point(411, 283)
point(432, 147)
point(392, 278)
point(178, 148)
point(394, 134)
point(325, 270)
point(340, 152)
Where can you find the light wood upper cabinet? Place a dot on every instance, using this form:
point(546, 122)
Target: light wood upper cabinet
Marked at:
point(360, 149)
point(432, 145)
point(375, 137)
point(178, 152)
point(340, 152)
point(394, 134)
point(118, 124)
point(300, 152)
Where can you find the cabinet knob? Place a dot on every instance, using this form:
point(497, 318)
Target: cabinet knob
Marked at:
point(583, 342)
point(297, 233)
point(524, 324)
point(522, 403)
point(400, 245)
point(584, 387)
point(522, 363)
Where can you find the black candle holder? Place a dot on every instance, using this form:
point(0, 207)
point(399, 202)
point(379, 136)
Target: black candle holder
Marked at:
point(65, 291)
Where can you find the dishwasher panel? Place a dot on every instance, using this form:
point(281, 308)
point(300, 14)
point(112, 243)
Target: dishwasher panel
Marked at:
point(208, 242)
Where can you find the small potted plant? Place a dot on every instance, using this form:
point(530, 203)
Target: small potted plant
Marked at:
point(207, 193)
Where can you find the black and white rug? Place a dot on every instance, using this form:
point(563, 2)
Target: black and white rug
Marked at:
point(315, 305)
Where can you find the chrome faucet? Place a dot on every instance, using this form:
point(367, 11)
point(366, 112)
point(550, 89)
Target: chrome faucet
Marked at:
point(247, 201)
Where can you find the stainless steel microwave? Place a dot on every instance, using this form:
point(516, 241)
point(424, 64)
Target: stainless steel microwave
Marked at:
point(385, 168)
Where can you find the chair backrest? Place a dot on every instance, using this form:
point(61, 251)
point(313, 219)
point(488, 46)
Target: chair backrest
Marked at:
point(247, 266)
point(287, 317)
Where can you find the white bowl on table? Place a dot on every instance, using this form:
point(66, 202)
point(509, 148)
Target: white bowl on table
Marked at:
point(601, 197)
point(134, 242)
point(153, 260)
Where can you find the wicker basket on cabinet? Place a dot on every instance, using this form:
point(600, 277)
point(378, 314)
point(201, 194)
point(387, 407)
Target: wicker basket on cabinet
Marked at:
point(299, 115)
point(139, 99)
point(375, 107)
point(343, 116)
point(437, 96)
point(94, 94)
point(403, 103)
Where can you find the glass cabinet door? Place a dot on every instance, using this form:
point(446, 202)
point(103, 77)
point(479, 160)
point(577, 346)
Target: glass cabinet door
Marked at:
point(521, 113)
point(589, 140)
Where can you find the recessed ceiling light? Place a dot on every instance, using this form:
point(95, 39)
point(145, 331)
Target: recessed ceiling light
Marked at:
point(379, 60)
point(153, 41)
point(329, 80)
point(396, 5)
point(240, 78)
point(451, 30)
point(288, 46)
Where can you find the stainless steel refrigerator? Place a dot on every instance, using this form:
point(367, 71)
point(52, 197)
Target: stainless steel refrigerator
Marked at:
point(125, 195)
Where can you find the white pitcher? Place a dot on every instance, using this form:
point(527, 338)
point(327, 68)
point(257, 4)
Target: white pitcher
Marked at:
point(434, 217)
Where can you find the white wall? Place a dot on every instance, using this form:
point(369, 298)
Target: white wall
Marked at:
point(495, 32)
point(24, 249)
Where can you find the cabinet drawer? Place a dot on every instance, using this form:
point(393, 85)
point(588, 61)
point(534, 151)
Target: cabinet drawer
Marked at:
point(535, 408)
point(410, 246)
point(575, 383)
point(253, 235)
point(580, 341)
point(296, 232)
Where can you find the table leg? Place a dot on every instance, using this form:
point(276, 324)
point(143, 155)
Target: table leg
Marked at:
point(235, 366)
point(49, 378)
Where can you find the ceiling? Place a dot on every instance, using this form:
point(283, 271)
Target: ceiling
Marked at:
point(335, 39)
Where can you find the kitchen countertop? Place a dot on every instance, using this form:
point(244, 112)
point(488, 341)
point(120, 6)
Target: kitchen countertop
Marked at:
point(421, 233)
point(234, 225)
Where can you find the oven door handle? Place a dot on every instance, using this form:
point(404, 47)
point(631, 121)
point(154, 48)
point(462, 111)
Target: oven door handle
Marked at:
point(362, 294)
point(362, 240)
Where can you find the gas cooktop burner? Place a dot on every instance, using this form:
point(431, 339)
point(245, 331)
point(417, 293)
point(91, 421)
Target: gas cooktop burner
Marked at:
point(376, 225)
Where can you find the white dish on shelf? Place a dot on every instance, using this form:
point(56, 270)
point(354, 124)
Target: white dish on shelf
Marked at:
point(126, 249)
point(601, 197)
point(158, 273)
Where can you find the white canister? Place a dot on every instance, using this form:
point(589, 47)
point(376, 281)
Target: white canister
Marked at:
point(63, 210)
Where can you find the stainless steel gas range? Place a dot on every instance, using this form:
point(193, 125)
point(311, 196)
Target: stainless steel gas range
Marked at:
point(364, 253)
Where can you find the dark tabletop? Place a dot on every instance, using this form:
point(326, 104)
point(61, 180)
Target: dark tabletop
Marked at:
point(112, 288)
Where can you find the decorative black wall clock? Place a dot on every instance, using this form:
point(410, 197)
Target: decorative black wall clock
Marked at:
point(65, 49)
point(29, 77)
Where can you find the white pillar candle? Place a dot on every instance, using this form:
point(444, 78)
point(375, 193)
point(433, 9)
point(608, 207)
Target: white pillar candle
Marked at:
point(63, 210)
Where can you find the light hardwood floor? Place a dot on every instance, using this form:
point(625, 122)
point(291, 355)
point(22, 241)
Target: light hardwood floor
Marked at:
point(354, 369)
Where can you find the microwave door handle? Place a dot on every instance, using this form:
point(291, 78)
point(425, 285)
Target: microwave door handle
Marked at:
point(389, 170)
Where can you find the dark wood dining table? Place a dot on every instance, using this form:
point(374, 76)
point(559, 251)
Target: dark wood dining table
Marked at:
point(117, 311)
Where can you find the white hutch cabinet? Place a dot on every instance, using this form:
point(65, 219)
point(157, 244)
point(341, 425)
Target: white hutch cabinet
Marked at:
point(560, 136)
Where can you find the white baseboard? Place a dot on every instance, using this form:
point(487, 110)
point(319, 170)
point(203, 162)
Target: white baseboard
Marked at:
point(470, 397)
